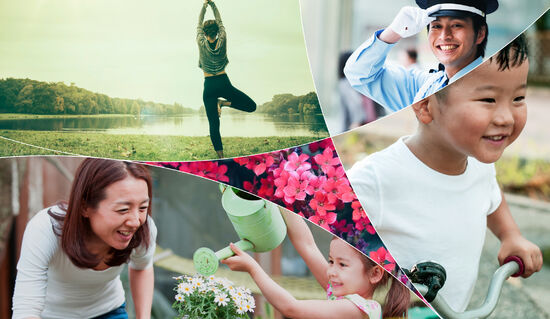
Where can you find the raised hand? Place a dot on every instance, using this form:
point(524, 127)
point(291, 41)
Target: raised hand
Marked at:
point(411, 20)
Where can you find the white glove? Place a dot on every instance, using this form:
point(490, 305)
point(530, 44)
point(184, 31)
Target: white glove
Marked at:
point(411, 20)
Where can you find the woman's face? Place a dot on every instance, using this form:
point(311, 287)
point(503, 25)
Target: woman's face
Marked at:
point(117, 217)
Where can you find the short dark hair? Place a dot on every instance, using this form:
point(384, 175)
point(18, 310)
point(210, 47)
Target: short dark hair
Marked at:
point(88, 189)
point(210, 28)
point(513, 54)
point(480, 22)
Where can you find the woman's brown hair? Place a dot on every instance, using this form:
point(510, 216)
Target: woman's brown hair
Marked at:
point(88, 189)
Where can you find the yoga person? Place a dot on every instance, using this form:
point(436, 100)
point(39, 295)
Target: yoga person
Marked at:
point(73, 253)
point(212, 42)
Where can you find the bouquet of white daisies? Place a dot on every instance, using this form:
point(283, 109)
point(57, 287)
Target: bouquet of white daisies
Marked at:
point(201, 297)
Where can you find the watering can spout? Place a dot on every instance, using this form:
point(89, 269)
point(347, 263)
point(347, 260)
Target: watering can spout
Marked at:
point(258, 223)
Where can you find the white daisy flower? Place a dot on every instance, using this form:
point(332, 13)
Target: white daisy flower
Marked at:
point(221, 299)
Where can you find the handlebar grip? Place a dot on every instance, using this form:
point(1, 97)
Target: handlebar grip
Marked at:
point(519, 262)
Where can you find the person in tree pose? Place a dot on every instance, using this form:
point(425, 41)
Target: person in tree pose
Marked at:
point(212, 42)
point(349, 277)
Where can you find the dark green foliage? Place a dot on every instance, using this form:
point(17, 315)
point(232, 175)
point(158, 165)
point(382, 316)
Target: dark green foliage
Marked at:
point(290, 104)
point(35, 97)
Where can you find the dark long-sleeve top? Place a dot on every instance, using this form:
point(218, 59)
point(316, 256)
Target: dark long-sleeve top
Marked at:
point(212, 60)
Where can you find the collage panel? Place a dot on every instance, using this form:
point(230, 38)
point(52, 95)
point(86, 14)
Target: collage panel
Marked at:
point(145, 81)
point(308, 180)
point(435, 177)
point(70, 225)
point(402, 51)
point(215, 189)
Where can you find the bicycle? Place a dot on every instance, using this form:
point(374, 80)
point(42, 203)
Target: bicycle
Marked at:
point(429, 277)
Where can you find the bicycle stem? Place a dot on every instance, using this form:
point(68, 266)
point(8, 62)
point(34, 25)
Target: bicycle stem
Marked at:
point(488, 305)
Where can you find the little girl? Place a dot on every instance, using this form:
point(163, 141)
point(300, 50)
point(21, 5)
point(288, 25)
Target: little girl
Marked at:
point(350, 279)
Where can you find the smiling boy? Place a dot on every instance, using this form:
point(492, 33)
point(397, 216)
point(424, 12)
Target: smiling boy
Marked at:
point(432, 195)
point(457, 35)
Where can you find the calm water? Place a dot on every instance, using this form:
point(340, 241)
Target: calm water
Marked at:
point(247, 125)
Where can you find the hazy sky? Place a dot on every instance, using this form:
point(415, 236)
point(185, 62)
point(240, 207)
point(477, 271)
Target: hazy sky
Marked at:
point(147, 49)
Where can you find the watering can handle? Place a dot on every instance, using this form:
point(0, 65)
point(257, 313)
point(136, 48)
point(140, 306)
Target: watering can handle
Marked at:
point(227, 252)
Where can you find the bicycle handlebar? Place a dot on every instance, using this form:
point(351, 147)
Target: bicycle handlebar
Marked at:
point(513, 266)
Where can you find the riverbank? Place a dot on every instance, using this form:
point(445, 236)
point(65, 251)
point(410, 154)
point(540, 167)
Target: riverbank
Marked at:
point(139, 147)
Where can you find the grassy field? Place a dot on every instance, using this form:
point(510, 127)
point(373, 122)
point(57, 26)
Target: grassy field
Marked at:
point(139, 147)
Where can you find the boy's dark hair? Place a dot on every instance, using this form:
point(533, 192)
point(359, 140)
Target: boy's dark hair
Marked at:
point(513, 54)
point(210, 28)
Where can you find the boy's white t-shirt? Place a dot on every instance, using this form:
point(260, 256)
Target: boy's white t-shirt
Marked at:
point(421, 214)
point(49, 285)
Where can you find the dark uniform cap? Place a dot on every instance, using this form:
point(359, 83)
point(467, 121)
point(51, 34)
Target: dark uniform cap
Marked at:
point(460, 8)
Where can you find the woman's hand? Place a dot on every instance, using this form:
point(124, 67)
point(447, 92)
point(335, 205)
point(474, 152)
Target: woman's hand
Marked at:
point(241, 261)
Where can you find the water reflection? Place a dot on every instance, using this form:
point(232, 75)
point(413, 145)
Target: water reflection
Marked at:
point(247, 125)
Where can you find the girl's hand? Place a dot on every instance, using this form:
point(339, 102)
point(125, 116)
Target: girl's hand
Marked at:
point(241, 261)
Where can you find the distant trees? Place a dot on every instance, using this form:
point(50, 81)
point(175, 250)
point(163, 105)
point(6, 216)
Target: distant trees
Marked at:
point(35, 97)
point(290, 104)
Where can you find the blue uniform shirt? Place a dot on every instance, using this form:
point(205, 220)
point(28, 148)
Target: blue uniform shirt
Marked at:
point(393, 86)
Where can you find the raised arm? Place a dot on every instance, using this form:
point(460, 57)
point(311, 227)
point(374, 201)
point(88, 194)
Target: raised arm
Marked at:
point(201, 15)
point(283, 301)
point(217, 16)
point(304, 243)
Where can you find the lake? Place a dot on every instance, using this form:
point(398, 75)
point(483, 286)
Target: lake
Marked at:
point(232, 125)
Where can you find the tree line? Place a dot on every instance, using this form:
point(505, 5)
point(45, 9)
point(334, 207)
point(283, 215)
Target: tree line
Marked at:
point(290, 104)
point(36, 97)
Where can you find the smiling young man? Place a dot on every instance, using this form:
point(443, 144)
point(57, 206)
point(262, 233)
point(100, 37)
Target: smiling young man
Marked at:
point(457, 35)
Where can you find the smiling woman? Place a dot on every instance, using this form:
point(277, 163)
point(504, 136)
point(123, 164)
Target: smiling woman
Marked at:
point(73, 253)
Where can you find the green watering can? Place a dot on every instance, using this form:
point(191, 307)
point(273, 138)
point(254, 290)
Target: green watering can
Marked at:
point(258, 223)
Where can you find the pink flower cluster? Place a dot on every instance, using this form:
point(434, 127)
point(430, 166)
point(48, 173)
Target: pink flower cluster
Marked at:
point(207, 169)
